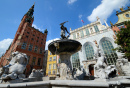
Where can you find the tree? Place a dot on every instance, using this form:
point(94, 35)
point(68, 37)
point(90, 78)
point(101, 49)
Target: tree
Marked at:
point(123, 40)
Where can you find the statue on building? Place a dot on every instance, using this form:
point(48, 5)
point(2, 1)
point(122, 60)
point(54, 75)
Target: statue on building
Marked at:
point(101, 69)
point(63, 30)
point(16, 67)
point(123, 66)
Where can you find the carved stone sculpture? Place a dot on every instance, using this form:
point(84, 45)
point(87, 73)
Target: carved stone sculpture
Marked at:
point(16, 66)
point(101, 70)
point(36, 73)
point(79, 74)
point(123, 66)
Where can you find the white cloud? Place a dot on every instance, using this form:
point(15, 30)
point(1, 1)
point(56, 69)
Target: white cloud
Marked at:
point(4, 44)
point(35, 26)
point(71, 1)
point(49, 41)
point(80, 16)
point(105, 9)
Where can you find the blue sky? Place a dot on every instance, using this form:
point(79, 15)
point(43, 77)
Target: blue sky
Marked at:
point(48, 14)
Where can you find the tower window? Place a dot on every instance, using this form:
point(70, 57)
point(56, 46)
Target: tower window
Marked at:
point(33, 61)
point(28, 32)
point(39, 61)
point(40, 50)
point(30, 47)
point(24, 45)
point(26, 36)
point(35, 49)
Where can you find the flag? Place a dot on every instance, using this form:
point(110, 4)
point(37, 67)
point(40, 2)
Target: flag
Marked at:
point(82, 21)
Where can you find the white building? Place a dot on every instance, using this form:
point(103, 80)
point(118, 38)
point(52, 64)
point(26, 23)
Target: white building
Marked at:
point(88, 36)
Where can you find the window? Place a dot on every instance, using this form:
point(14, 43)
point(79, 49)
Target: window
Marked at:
point(32, 39)
point(81, 33)
point(37, 40)
point(50, 53)
point(77, 35)
point(54, 58)
point(91, 30)
point(74, 36)
point(39, 61)
point(115, 32)
point(49, 66)
point(33, 61)
point(26, 36)
point(35, 49)
point(50, 59)
point(87, 32)
point(96, 28)
point(30, 47)
point(33, 35)
point(54, 66)
point(24, 45)
point(75, 60)
point(28, 32)
point(40, 50)
point(89, 51)
point(28, 58)
point(49, 72)
point(109, 52)
point(38, 37)
point(54, 72)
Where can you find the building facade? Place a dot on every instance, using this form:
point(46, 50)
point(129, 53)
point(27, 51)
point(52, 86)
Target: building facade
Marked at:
point(90, 36)
point(51, 68)
point(123, 16)
point(28, 40)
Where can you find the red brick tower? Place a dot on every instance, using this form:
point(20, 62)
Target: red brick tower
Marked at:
point(28, 40)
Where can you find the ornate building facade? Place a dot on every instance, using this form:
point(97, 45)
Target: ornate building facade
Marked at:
point(123, 16)
point(28, 40)
point(91, 36)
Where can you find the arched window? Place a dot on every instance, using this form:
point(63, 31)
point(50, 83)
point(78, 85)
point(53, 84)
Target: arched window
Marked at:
point(109, 52)
point(75, 60)
point(89, 51)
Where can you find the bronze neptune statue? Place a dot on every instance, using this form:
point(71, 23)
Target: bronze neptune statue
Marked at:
point(63, 30)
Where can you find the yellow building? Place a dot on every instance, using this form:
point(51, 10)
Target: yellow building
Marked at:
point(51, 68)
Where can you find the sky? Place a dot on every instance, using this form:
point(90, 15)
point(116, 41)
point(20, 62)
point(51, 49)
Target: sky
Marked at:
point(48, 14)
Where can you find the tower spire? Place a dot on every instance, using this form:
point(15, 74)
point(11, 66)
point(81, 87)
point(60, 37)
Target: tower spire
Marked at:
point(30, 11)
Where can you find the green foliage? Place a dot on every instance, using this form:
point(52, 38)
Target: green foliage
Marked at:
point(123, 39)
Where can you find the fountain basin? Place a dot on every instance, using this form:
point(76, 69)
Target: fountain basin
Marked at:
point(64, 46)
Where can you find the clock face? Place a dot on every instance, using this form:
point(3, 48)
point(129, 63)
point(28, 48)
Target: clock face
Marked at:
point(126, 15)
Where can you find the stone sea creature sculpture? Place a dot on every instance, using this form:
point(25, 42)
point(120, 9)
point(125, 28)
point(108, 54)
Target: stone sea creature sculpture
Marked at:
point(123, 66)
point(101, 69)
point(16, 67)
point(36, 73)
